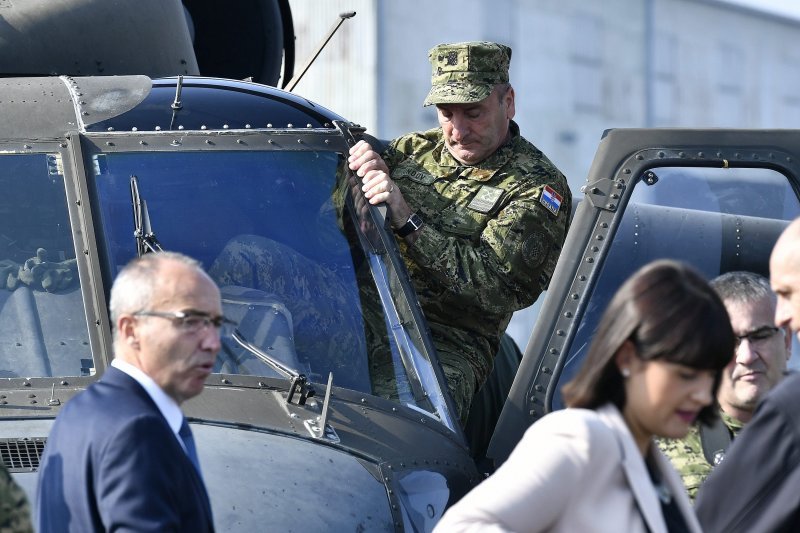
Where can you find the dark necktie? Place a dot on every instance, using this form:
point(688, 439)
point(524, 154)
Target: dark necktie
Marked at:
point(188, 441)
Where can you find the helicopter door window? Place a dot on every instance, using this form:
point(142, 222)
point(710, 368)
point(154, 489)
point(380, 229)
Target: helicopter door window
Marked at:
point(43, 327)
point(717, 220)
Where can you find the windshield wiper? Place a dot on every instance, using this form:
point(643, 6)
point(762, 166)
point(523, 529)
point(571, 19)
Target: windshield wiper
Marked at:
point(299, 382)
point(146, 241)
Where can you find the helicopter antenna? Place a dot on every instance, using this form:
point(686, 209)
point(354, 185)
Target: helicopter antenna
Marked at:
point(176, 104)
point(294, 81)
point(145, 238)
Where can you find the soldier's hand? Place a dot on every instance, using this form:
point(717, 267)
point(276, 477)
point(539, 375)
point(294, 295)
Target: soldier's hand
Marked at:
point(377, 184)
point(378, 187)
point(364, 159)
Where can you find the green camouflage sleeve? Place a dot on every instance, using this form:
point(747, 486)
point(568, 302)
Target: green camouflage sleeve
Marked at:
point(514, 260)
point(686, 455)
point(15, 515)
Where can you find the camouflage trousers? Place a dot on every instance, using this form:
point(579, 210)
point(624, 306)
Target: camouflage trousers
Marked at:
point(464, 364)
point(15, 515)
point(466, 359)
point(461, 382)
point(388, 382)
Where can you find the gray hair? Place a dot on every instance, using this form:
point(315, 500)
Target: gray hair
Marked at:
point(502, 90)
point(742, 287)
point(134, 286)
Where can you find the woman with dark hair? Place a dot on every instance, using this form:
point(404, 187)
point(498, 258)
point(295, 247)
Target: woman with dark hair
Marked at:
point(652, 370)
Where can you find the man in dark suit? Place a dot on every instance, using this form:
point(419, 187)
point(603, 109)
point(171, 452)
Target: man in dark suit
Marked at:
point(756, 487)
point(120, 456)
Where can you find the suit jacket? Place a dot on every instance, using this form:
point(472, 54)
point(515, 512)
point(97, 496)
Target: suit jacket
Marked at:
point(112, 463)
point(757, 486)
point(574, 470)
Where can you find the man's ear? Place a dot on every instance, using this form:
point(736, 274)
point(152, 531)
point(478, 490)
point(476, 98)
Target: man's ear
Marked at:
point(510, 108)
point(128, 330)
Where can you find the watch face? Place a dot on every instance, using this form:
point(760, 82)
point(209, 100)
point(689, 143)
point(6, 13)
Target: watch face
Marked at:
point(413, 224)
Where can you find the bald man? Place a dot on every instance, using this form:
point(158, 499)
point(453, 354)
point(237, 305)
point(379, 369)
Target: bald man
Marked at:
point(757, 486)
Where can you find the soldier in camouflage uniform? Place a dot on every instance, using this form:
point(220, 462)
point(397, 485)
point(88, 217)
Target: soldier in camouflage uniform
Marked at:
point(480, 212)
point(15, 515)
point(762, 351)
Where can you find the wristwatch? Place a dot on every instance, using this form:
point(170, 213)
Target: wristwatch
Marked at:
point(413, 223)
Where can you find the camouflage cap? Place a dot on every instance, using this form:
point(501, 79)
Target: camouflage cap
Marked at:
point(464, 73)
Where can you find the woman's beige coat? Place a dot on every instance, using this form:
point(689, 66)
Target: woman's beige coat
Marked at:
point(574, 470)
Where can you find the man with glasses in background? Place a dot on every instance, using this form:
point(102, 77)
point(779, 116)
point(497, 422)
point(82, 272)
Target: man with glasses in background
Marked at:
point(121, 455)
point(758, 364)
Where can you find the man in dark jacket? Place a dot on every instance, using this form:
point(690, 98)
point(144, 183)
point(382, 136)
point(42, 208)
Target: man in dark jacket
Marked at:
point(121, 456)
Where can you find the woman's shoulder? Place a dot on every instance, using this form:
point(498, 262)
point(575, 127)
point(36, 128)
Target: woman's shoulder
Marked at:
point(592, 426)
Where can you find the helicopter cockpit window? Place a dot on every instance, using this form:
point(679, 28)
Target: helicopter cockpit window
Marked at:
point(298, 274)
point(718, 220)
point(43, 327)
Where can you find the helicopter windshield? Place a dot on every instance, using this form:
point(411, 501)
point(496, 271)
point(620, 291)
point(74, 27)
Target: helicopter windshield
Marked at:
point(298, 268)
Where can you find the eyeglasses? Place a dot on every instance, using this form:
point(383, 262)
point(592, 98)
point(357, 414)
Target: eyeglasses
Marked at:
point(191, 321)
point(757, 336)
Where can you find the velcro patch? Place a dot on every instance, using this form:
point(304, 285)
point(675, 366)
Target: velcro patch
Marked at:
point(485, 199)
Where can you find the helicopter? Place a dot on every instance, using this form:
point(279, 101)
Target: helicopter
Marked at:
point(100, 168)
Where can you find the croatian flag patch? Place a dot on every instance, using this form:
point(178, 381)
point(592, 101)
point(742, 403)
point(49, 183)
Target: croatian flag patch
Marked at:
point(550, 199)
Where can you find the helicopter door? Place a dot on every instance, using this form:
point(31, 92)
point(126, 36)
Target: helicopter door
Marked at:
point(717, 200)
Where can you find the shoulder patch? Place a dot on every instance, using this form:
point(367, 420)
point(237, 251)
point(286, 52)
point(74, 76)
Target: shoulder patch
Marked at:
point(550, 199)
point(534, 248)
point(485, 199)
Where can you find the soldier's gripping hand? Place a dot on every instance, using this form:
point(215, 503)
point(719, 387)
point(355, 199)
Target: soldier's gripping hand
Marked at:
point(364, 159)
point(377, 184)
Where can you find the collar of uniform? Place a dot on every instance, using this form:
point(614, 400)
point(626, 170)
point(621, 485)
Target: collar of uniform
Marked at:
point(487, 168)
point(733, 424)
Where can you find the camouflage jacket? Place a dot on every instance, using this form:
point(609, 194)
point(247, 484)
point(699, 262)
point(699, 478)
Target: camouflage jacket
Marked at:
point(492, 235)
point(15, 514)
point(687, 456)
